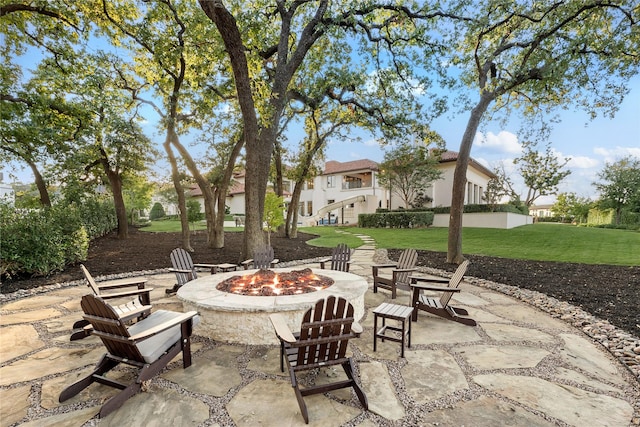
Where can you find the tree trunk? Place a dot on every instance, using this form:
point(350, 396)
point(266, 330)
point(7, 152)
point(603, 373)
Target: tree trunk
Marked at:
point(45, 200)
point(292, 212)
point(115, 181)
point(454, 252)
point(221, 194)
point(258, 161)
point(205, 187)
point(182, 203)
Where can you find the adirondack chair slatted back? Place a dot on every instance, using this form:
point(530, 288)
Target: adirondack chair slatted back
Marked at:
point(263, 257)
point(340, 258)
point(454, 282)
point(408, 259)
point(325, 332)
point(92, 283)
point(110, 328)
point(181, 260)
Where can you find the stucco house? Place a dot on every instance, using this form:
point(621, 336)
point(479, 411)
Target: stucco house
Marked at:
point(346, 189)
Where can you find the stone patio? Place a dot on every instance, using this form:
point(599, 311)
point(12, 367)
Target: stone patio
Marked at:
point(518, 367)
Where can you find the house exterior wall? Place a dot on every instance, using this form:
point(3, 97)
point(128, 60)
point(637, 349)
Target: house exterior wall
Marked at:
point(344, 184)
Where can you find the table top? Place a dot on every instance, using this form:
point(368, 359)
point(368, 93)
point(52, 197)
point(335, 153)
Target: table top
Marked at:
point(393, 311)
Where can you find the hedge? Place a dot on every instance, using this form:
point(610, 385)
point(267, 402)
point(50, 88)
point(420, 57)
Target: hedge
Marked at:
point(405, 219)
point(39, 242)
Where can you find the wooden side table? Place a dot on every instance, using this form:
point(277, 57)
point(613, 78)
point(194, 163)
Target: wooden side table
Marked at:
point(400, 313)
point(226, 267)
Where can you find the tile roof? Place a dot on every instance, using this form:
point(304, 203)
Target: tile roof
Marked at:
point(452, 156)
point(333, 166)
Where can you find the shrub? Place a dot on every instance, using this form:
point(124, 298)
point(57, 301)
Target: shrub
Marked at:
point(157, 211)
point(41, 241)
point(404, 219)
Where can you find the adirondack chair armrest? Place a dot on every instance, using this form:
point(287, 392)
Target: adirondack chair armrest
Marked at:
point(177, 270)
point(134, 292)
point(246, 263)
point(135, 313)
point(416, 279)
point(403, 270)
point(356, 328)
point(123, 283)
point(282, 330)
point(275, 261)
point(178, 320)
point(376, 267)
point(205, 265)
point(426, 287)
point(385, 265)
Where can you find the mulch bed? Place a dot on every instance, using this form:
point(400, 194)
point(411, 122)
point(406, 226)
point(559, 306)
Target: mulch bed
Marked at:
point(606, 291)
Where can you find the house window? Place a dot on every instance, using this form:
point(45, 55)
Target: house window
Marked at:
point(309, 207)
point(469, 193)
point(309, 184)
point(331, 181)
point(301, 208)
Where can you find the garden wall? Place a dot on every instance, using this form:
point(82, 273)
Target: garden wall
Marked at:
point(486, 220)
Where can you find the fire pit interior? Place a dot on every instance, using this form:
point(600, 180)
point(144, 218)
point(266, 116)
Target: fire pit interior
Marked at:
point(270, 283)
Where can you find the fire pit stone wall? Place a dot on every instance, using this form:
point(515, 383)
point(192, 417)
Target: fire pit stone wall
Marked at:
point(244, 319)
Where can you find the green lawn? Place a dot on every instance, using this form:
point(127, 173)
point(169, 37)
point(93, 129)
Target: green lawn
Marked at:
point(173, 226)
point(543, 241)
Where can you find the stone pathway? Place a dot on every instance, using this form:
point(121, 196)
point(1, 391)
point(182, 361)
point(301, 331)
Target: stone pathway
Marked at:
point(518, 367)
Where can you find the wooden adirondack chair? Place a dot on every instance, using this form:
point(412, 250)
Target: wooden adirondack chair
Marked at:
point(137, 308)
point(340, 258)
point(262, 258)
point(440, 307)
point(324, 334)
point(400, 273)
point(148, 345)
point(184, 268)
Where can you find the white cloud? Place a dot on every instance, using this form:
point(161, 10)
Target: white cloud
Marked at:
point(613, 154)
point(504, 141)
point(582, 162)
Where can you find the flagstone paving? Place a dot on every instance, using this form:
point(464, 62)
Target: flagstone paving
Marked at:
point(518, 367)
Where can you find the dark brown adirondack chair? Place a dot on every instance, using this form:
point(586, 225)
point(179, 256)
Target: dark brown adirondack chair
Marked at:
point(440, 306)
point(400, 273)
point(340, 258)
point(262, 258)
point(137, 308)
point(148, 345)
point(184, 268)
point(324, 334)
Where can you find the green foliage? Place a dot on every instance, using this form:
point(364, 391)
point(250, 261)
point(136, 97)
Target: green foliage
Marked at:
point(405, 219)
point(610, 218)
point(39, 242)
point(157, 211)
point(194, 211)
point(407, 170)
point(137, 193)
point(620, 186)
point(541, 172)
point(273, 212)
point(569, 207)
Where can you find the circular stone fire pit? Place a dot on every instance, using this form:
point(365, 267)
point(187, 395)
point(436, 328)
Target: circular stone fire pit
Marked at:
point(244, 319)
